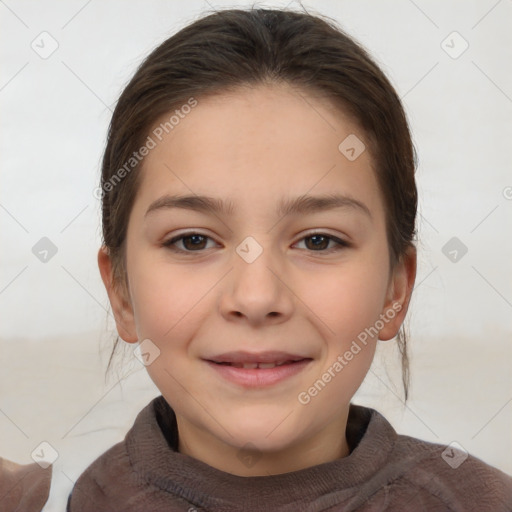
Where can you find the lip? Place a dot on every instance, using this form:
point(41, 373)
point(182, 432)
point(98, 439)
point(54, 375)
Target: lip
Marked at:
point(241, 356)
point(258, 377)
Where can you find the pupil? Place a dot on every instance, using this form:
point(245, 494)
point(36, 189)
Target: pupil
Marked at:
point(196, 238)
point(319, 239)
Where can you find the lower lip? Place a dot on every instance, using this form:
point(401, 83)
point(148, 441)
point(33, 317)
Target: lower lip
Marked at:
point(259, 377)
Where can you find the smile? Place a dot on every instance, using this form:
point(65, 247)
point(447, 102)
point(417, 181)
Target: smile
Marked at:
point(258, 374)
point(257, 365)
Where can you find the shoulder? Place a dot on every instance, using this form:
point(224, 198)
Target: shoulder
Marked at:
point(94, 488)
point(114, 476)
point(407, 471)
point(456, 478)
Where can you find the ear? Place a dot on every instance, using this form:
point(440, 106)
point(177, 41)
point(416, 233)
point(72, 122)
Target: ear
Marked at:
point(400, 288)
point(119, 301)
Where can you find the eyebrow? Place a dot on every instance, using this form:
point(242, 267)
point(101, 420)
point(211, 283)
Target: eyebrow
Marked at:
point(299, 205)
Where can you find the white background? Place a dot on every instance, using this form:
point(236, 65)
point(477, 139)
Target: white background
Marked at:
point(56, 331)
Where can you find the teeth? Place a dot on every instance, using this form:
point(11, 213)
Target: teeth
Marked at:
point(252, 366)
point(266, 365)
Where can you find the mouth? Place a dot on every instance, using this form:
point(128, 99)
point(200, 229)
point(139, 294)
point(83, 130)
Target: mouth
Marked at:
point(258, 369)
point(267, 359)
point(259, 365)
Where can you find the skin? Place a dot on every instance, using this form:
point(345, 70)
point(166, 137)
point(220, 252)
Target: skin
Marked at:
point(255, 147)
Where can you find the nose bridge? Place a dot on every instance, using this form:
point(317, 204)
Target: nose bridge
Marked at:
point(254, 260)
point(255, 289)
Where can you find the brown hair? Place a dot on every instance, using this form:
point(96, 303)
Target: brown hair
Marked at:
point(232, 48)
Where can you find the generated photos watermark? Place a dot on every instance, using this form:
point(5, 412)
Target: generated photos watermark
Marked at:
point(156, 136)
point(305, 397)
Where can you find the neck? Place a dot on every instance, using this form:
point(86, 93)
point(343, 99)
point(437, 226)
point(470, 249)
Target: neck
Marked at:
point(323, 446)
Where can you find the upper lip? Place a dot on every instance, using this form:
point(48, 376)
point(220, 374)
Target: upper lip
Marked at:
point(256, 357)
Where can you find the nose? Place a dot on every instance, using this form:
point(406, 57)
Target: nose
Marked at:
point(256, 290)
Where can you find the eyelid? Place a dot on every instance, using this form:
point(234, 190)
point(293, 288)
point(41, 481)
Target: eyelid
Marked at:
point(320, 231)
point(177, 237)
point(341, 243)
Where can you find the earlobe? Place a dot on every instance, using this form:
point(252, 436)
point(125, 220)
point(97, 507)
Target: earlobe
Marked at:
point(399, 294)
point(119, 301)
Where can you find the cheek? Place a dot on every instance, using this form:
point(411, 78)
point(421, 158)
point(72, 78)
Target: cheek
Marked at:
point(350, 298)
point(162, 296)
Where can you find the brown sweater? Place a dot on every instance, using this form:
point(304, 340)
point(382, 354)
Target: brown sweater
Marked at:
point(383, 472)
point(23, 488)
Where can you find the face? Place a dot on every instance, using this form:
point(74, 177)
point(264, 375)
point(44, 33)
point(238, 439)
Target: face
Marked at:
point(256, 281)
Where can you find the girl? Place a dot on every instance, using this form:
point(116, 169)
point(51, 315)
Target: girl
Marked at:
point(259, 206)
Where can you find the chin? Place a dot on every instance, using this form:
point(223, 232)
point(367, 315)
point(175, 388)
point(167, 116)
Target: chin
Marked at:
point(270, 433)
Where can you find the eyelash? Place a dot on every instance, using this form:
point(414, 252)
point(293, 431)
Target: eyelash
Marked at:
point(341, 244)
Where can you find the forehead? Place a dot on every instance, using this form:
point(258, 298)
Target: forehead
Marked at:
point(258, 144)
point(248, 120)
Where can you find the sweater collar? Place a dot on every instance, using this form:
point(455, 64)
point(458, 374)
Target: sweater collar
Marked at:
point(152, 448)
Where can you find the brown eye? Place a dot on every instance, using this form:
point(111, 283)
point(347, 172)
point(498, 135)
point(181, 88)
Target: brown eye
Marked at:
point(192, 242)
point(319, 242)
point(197, 242)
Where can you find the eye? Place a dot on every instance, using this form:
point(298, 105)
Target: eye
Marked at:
point(320, 242)
point(192, 241)
point(195, 242)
